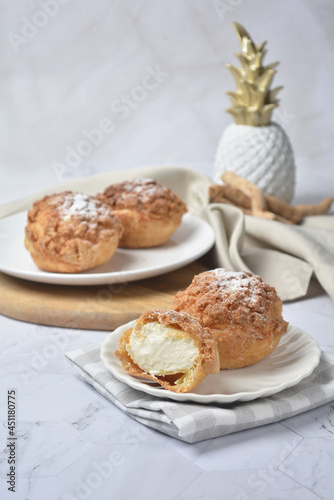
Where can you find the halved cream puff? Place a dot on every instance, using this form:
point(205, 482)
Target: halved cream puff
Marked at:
point(170, 348)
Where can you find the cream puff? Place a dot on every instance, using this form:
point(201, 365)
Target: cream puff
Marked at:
point(71, 232)
point(149, 212)
point(241, 311)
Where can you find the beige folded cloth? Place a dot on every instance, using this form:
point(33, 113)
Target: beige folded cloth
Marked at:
point(285, 256)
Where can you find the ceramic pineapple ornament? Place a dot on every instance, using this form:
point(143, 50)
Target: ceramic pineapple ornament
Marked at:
point(254, 147)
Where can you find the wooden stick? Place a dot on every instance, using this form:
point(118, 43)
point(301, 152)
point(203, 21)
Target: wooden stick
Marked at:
point(280, 207)
point(258, 202)
point(216, 195)
point(236, 195)
point(316, 209)
point(244, 194)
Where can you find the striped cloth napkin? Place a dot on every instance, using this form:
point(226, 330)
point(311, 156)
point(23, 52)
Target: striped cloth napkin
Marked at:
point(192, 422)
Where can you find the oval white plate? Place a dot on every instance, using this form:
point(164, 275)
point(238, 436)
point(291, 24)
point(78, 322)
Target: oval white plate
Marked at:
point(295, 357)
point(192, 239)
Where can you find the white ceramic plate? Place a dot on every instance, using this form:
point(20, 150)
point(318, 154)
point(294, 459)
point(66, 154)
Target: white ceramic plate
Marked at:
point(295, 357)
point(192, 239)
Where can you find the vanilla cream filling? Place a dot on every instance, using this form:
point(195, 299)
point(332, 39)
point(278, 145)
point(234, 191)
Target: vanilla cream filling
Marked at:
point(161, 350)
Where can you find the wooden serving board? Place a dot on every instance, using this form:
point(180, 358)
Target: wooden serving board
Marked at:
point(103, 307)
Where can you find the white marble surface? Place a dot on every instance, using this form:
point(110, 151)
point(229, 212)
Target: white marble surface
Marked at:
point(63, 74)
point(74, 444)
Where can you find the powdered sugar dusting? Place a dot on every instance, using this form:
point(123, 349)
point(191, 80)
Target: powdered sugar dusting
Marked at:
point(145, 189)
point(232, 279)
point(238, 281)
point(79, 204)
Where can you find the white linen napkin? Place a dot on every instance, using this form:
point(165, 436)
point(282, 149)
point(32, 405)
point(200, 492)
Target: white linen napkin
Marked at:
point(193, 422)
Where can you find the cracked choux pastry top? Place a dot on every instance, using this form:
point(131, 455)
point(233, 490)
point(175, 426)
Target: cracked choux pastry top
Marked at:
point(70, 232)
point(149, 211)
point(170, 348)
point(241, 311)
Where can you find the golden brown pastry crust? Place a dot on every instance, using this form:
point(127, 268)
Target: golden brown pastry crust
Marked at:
point(149, 211)
point(208, 361)
point(242, 312)
point(71, 232)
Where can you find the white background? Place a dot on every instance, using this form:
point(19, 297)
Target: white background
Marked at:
point(65, 63)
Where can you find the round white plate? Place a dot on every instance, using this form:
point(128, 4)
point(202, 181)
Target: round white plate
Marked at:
point(295, 357)
point(192, 239)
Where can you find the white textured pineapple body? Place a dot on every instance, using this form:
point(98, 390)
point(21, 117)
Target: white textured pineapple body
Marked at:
point(262, 155)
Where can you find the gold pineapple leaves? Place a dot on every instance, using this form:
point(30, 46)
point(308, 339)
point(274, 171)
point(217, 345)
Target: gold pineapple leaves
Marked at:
point(253, 101)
